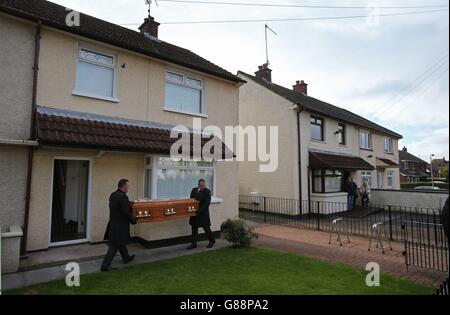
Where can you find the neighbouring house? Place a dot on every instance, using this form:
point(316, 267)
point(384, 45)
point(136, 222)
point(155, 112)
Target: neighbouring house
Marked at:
point(320, 144)
point(17, 56)
point(439, 166)
point(107, 99)
point(412, 168)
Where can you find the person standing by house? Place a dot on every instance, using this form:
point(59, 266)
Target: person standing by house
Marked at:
point(120, 218)
point(351, 188)
point(365, 194)
point(445, 219)
point(201, 220)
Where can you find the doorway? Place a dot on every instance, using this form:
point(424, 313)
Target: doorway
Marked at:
point(69, 217)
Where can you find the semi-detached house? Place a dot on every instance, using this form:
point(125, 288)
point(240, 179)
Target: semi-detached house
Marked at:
point(106, 100)
point(320, 144)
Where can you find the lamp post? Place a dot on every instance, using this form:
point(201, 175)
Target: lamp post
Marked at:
point(431, 168)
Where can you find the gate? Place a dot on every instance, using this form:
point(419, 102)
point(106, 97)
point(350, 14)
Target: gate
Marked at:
point(426, 245)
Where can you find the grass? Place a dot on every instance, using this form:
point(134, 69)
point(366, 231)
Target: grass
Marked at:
point(228, 271)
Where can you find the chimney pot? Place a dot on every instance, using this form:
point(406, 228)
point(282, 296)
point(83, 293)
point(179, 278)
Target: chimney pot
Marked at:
point(405, 149)
point(150, 26)
point(301, 86)
point(264, 72)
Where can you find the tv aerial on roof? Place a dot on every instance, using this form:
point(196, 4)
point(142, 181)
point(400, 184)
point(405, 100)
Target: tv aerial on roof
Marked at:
point(149, 3)
point(267, 44)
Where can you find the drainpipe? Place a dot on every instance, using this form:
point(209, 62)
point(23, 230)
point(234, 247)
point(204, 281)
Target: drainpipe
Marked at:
point(37, 50)
point(300, 187)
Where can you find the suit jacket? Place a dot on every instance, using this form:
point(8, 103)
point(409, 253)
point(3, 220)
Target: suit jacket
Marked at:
point(204, 198)
point(445, 217)
point(120, 218)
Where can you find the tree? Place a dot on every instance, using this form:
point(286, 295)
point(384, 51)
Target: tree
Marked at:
point(444, 173)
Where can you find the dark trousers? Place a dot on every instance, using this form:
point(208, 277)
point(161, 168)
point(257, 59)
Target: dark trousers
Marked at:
point(111, 253)
point(207, 230)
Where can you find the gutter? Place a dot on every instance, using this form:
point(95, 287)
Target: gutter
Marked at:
point(37, 51)
point(23, 143)
point(300, 186)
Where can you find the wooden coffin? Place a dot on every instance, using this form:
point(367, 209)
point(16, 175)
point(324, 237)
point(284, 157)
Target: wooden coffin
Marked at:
point(147, 211)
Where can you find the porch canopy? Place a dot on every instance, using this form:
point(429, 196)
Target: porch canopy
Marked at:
point(75, 129)
point(386, 163)
point(338, 162)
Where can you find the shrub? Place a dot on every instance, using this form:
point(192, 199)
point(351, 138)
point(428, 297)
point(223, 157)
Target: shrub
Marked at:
point(238, 233)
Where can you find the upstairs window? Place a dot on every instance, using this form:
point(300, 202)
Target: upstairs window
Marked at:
point(95, 74)
point(388, 145)
point(342, 137)
point(365, 140)
point(184, 94)
point(317, 129)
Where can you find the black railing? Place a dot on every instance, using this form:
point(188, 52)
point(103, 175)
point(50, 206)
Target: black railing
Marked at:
point(420, 229)
point(318, 215)
point(443, 290)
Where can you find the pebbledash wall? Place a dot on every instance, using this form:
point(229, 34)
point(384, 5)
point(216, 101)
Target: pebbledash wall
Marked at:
point(140, 88)
point(16, 86)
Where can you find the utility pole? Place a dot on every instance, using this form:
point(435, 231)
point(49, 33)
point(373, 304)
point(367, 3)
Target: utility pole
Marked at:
point(431, 168)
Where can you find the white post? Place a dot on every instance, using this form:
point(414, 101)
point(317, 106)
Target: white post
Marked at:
point(431, 168)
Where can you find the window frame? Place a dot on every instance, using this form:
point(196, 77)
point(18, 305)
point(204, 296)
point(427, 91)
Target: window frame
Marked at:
point(342, 129)
point(390, 175)
point(369, 139)
point(155, 167)
point(388, 145)
point(76, 91)
point(323, 175)
point(321, 125)
point(203, 110)
point(365, 175)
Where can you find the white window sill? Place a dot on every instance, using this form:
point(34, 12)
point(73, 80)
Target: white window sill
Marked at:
point(216, 200)
point(319, 141)
point(103, 98)
point(185, 113)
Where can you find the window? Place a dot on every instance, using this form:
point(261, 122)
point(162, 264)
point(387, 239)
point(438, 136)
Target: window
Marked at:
point(148, 178)
point(317, 129)
point(342, 137)
point(95, 75)
point(367, 176)
point(327, 181)
point(175, 179)
point(390, 179)
point(365, 140)
point(406, 165)
point(184, 94)
point(388, 145)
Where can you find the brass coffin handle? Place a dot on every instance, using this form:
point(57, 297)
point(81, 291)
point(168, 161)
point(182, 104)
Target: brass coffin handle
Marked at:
point(169, 212)
point(191, 209)
point(143, 214)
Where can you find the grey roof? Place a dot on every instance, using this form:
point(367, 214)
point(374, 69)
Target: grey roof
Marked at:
point(54, 15)
point(320, 107)
point(406, 156)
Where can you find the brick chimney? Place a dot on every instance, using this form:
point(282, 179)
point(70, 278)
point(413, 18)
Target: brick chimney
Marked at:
point(301, 86)
point(264, 72)
point(150, 26)
point(405, 149)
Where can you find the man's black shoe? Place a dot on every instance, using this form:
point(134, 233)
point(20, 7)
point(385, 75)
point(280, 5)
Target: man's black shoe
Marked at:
point(107, 269)
point(129, 259)
point(211, 244)
point(193, 246)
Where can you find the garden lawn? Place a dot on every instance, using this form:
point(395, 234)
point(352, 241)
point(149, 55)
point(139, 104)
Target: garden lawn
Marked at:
point(247, 271)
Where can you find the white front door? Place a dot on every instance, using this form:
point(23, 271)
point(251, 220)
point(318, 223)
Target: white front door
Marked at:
point(381, 179)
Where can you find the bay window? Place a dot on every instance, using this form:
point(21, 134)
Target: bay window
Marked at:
point(367, 177)
point(184, 94)
point(327, 181)
point(173, 179)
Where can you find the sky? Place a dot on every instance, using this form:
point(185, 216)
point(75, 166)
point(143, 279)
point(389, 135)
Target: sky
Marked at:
point(392, 70)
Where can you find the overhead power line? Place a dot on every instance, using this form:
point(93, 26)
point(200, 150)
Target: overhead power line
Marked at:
point(300, 6)
point(319, 18)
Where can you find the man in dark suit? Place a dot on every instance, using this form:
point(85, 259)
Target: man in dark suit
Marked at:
point(120, 218)
point(202, 220)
